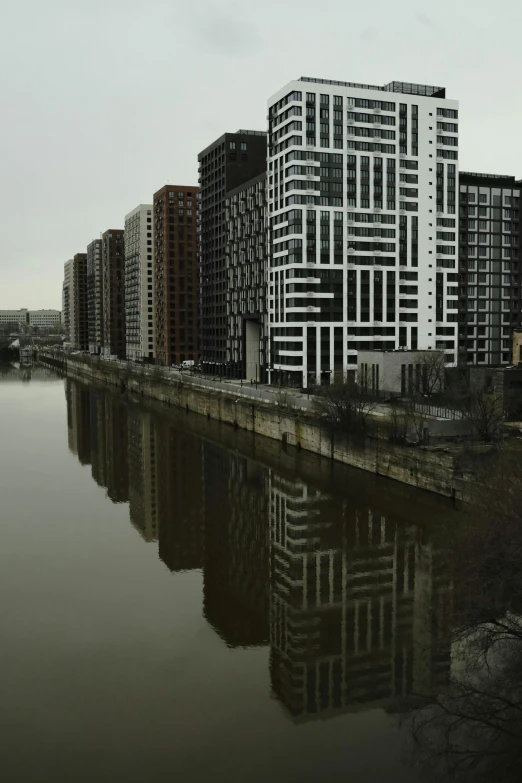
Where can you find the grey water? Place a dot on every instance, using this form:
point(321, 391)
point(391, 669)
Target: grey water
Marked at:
point(185, 602)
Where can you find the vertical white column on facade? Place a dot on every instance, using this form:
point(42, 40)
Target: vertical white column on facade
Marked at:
point(315, 256)
point(304, 357)
point(371, 281)
point(331, 230)
point(358, 295)
point(318, 351)
point(345, 316)
point(332, 357)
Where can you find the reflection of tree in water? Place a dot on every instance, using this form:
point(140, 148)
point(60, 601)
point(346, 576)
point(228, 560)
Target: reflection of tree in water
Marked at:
point(475, 730)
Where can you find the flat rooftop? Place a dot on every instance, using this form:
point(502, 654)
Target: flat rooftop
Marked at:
point(479, 175)
point(406, 88)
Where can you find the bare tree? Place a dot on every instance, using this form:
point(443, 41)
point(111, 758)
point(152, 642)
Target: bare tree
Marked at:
point(407, 422)
point(485, 412)
point(431, 378)
point(474, 730)
point(398, 424)
point(344, 405)
point(10, 328)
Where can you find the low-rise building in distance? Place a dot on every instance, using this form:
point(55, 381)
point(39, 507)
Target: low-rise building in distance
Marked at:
point(41, 319)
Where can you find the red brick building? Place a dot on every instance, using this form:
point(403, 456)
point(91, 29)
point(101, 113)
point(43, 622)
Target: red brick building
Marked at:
point(176, 283)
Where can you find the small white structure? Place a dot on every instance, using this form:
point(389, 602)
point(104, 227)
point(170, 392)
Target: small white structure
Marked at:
point(401, 372)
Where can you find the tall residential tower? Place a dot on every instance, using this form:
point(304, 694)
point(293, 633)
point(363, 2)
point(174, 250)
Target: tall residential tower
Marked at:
point(489, 261)
point(361, 200)
point(175, 274)
point(66, 298)
point(113, 263)
point(95, 295)
point(224, 165)
point(246, 264)
point(139, 284)
point(78, 332)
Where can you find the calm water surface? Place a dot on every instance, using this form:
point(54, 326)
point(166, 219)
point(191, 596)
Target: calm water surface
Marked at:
point(184, 602)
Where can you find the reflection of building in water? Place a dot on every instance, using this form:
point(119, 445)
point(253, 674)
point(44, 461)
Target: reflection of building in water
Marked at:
point(116, 465)
point(355, 605)
point(236, 576)
point(107, 417)
point(98, 439)
point(352, 601)
point(78, 423)
point(142, 474)
point(180, 521)
point(16, 372)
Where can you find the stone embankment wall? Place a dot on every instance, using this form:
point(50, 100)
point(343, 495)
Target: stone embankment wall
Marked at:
point(435, 469)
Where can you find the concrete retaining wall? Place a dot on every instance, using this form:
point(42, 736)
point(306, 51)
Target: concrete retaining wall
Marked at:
point(436, 469)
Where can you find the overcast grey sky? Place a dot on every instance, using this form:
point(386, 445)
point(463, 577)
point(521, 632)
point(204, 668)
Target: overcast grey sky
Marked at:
point(105, 101)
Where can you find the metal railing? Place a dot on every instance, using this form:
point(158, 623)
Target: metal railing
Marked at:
point(438, 410)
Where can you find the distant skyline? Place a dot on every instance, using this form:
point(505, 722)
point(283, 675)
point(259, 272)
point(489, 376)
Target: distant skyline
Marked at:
point(106, 102)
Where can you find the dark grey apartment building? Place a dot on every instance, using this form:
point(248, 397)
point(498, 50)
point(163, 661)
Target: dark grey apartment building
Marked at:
point(95, 296)
point(78, 302)
point(246, 263)
point(489, 267)
point(113, 260)
point(224, 165)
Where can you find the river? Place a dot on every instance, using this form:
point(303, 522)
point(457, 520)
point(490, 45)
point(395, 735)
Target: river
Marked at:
point(186, 602)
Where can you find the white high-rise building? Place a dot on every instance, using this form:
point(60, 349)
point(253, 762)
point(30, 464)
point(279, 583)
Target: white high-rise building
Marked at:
point(363, 224)
point(139, 284)
point(66, 297)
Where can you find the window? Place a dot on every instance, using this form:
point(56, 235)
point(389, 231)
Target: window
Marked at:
point(243, 146)
point(449, 113)
point(232, 145)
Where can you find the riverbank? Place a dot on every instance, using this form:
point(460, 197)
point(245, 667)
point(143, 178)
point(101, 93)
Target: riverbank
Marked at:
point(445, 470)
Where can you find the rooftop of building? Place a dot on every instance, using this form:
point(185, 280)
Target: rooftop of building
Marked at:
point(243, 132)
point(237, 136)
point(183, 188)
point(488, 180)
point(406, 88)
point(112, 231)
point(399, 350)
point(138, 209)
